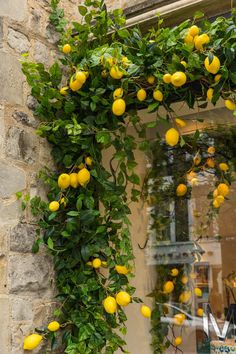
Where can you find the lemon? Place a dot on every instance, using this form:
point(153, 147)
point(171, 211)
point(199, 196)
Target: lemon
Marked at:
point(123, 298)
point(111, 61)
point(74, 180)
point(215, 193)
point(110, 304)
point(194, 30)
point(63, 201)
point(172, 137)
point(189, 39)
point(88, 161)
point(146, 311)
point(217, 77)
point(214, 67)
point(230, 105)
point(83, 177)
point(32, 341)
point(181, 190)
point(210, 162)
point(104, 264)
point(141, 95)
point(211, 150)
point(184, 63)
point(64, 181)
point(54, 206)
point(168, 287)
point(185, 296)
point(66, 48)
point(201, 40)
point(104, 74)
point(96, 263)
point(174, 272)
point(118, 93)
point(210, 92)
point(125, 61)
point(64, 90)
point(193, 275)
point(178, 341)
point(216, 203)
point(180, 122)
point(118, 107)
point(223, 189)
point(197, 160)
point(81, 165)
point(158, 95)
point(184, 280)
point(167, 78)
point(220, 199)
point(81, 77)
point(179, 318)
point(200, 312)
point(151, 79)
point(116, 73)
point(178, 79)
point(53, 326)
point(198, 292)
point(223, 166)
point(75, 85)
point(121, 269)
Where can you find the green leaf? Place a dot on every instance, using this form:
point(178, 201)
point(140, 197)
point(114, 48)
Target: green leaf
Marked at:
point(50, 243)
point(103, 138)
point(82, 10)
point(73, 213)
point(198, 15)
point(52, 216)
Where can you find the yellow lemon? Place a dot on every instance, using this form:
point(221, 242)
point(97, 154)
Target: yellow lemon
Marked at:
point(64, 90)
point(223, 189)
point(189, 39)
point(53, 326)
point(81, 165)
point(111, 61)
point(166, 78)
point(184, 280)
point(178, 341)
point(215, 193)
point(174, 272)
point(66, 48)
point(88, 161)
point(200, 312)
point(198, 292)
point(32, 341)
point(185, 296)
point(178, 79)
point(74, 180)
point(168, 287)
point(230, 105)
point(110, 304)
point(181, 190)
point(81, 77)
point(211, 150)
point(151, 79)
point(118, 107)
point(125, 61)
point(201, 40)
point(214, 67)
point(75, 85)
point(217, 77)
point(116, 73)
point(121, 269)
point(193, 275)
point(184, 63)
point(54, 206)
point(210, 162)
point(123, 298)
point(216, 203)
point(146, 311)
point(210, 92)
point(63, 201)
point(118, 93)
point(197, 160)
point(141, 95)
point(180, 122)
point(158, 95)
point(172, 137)
point(220, 199)
point(96, 263)
point(83, 177)
point(193, 30)
point(223, 166)
point(64, 181)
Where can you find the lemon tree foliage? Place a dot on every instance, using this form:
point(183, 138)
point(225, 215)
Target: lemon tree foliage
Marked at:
point(87, 101)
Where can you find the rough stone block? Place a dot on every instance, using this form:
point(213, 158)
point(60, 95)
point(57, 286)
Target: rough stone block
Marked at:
point(1, 32)
point(3, 274)
point(9, 212)
point(11, 78)
point(4, 310)
point(30, 273)
point(52, 36)
point(21, 309)
point(22, 117)
point(41, 53)
point(22, 237)
point(2, 130)
point(17, 9)
point(12, 179)
point(18, 41)
point(31, 102)
point(22, 145)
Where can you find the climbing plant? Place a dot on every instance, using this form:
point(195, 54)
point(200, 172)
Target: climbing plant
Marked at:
point(87, 102)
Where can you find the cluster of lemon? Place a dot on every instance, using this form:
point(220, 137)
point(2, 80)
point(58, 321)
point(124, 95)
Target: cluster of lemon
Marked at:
point(33, 340)
point(74, 180)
